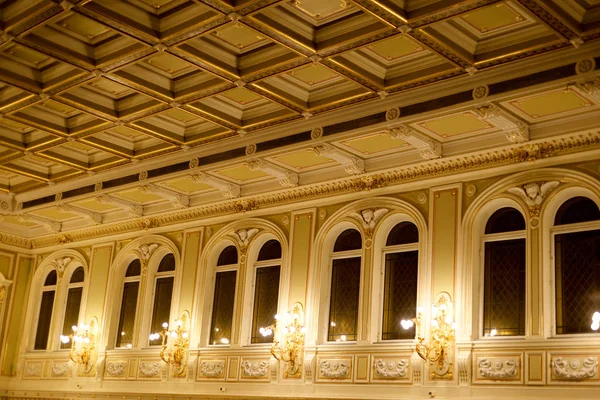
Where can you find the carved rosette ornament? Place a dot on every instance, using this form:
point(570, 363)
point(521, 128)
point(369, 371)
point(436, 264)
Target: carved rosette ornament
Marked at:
point(316, 133)
point(335, 369)
point(574, 369)
point(533, 195)
point(390, 369)
point(480, 92)
point(498, 369)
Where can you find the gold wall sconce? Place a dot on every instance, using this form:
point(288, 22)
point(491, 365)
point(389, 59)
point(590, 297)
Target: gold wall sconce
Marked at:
point(438, 350)
point(175, 343)
point(83, 345)
point(290, 349)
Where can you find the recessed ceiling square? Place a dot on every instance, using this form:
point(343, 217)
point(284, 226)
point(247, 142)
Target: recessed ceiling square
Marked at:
point(242, 173)
point(241, 96)
point(549, 104)
point(394, 48)
point(376, 143)
point(239, 36)
point(492, 17)
point(303, 159)
point(94, 205)
point(138, 196)
point(186, 185)
point(314, 74)
point(55, 214)
point(457, 124)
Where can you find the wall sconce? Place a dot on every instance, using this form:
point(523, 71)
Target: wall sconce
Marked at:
point(441, 337)
point(83, 344)
point(290, 349)
point(175, 344)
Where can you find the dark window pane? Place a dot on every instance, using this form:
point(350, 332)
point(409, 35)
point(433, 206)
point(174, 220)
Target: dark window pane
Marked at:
point(403, 233)
point(162, 306)
point(350, 239)
point(504, 288)
point(134, 268)
point(43, 327)
point(51, 278)
point(343, 309)
point(577, 209)
point(78, 275)
point(222, 315)
point(127, 316)
point(270, 251)
point(400, 294)
point(71, 313)
point(167, 263)
point(506, 219)
point(266, 295)
point(228, 256)
point(577, 280)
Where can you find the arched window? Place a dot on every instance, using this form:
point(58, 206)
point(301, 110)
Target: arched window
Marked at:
point(345, 286)
point(266, 289)
point(577, 265)
point(45, 314)
point(74, 294)
point(129, 301)
point(224, 296)
point(504, 274)
point(400, 280)
point(163, 293)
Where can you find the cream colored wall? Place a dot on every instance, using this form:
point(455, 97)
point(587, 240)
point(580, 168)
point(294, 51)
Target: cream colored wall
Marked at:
point(447, 210)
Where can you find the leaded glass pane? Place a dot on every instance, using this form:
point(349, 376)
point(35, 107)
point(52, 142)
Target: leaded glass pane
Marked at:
point(167, 263)
point(44, 318)
point(400, 294)
point(127, 315)
point(78, 275)
point(506, 219)
point(403, 233)
point(271, 250)
point(228, 256)
point(162, 306)
point(577, 209)
point(71, 313)
point(266, 295)
point(51, 279)
point(134, 268)
point(223, 301)
point(504, 288)
point(343, 307)
point(350, 239)
point(577, 280)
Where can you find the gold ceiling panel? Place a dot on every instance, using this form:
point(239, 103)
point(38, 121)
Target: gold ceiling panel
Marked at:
point(374, 144)
point(94, 205)
point(303, 160)
point(186, 185)
point(13, 219)
point(455, 125)
point(488, 19)
point(551, 104)
point(242, 173)
point(138, 196)
point(54, 214)
point(127, 143)
point(81, 156)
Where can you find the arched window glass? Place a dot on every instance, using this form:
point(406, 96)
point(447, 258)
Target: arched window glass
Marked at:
point(163, 293)
point(345, 286)
point(74, 293)
point(504, 274)
point(45, 314)
point(577, 265)
point(266, 289)
point(224, 296)
point(400, 281)
point(131, 288)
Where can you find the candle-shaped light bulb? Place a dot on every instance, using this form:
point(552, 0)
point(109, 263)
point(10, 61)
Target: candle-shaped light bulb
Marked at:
point(165, 325)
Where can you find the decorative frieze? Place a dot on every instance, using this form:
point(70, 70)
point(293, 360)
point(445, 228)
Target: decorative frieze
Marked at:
point(581, 368)
point(498, 368)
point(255, 369)
point(391, 369)
point(211, 369)
point(60, 369)
point(115, 369)
point(149, 369)
point(335, 369)
point(33, 370)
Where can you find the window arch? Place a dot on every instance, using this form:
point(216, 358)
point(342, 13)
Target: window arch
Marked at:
point(129, 302)
point(73, 306)
point(400, 280)
point(225, 278)
point(504, 274)
point(44, 318)
point(576, 237)
point(345, 286)
point(267, 272)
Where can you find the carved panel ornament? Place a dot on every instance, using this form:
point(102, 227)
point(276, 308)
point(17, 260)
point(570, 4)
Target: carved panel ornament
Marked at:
point(146, 251)
point(149, 369)
point(335, 369)
point(574, 369)
point(533, 194)
point(212, 369)
point(244, 236)
point(61, 265)
point(498, 369)
point(390, 369)
point(33, 369)
point(256, 369)
point(116, 368)
point(60, 369)
point(369, 218)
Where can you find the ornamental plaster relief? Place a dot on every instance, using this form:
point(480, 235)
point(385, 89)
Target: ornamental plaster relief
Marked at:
point(211, 369)
point(391, 369)
point(149, 369)
point(115, 369)
point(255, 369)
point(565, 368)
point(335, 369)
point(498, 368)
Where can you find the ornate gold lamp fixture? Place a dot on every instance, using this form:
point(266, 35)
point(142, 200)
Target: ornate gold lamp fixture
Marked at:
point(175, 344)
point(290, 349)
point(83, 344)
point(437, 351)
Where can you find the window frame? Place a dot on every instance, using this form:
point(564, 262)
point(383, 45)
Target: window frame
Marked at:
point(128, 279)
point(150, 294)
point(70, 285)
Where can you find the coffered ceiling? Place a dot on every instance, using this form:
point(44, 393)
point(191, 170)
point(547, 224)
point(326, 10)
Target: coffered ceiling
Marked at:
point(93, 92)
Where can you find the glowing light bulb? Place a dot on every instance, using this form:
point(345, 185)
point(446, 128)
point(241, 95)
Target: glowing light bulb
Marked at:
point(343, 338)
point(122, 333)
point(493, 332)
point(174, 335)
point(277, 317)
point(184, 335)
point(303, 329)
point(442, 307)
point(448, 320)
point(74, 327)
point(292, 329)
point(434, 323)
point(332, 323)
point(64, 339)
point(128, 345)
point(595, 325)
point(596, 316)
point(225, 340)
point(420, 310)
point(86, 340)
point(165, 325)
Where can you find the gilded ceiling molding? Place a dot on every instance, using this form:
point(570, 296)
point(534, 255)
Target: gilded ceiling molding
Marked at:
point(91, 216)
point(285, 177)
point(177, 200)
point(516, 130)
point(227, 189)
point(428, 147)
point(50, 225)
point(434, 168)
point(132, 209)
point(352, 164)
